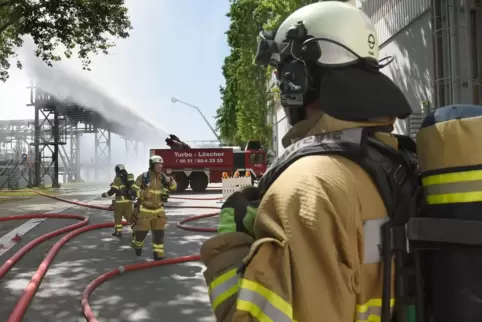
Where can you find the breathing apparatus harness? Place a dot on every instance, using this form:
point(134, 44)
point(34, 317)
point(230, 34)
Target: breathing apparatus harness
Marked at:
point(121, 172)
point(394, 173)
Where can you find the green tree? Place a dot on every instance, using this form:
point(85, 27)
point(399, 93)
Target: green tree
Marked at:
point(243, 113)
point(82, 26)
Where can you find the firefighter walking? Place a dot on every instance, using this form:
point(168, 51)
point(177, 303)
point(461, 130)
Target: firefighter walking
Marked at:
point(120, 186)
point(150, 213)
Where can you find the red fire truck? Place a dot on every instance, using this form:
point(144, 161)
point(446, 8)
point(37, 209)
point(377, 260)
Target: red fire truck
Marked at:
point(199, 167)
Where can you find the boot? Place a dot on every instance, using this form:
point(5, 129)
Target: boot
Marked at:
point(157, 257)
point(138, 251)
point(117, 233)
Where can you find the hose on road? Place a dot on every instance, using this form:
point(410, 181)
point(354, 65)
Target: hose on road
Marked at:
point(79, 228)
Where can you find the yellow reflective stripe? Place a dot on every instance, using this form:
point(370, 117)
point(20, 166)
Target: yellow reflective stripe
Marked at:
point(154, 192)
point(223, 287)
point(455, 187)
point(135, 187)
point(122, 201)
point(158, 248)
point(452, 177)
point(263, 304)
point(152, 211)
point(454, 198)
point(114, 186)
point(371, 311)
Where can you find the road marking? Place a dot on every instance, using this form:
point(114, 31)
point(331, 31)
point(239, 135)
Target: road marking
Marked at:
point(7, 242)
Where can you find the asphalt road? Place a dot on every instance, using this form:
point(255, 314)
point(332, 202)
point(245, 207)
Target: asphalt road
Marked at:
point(169, 293)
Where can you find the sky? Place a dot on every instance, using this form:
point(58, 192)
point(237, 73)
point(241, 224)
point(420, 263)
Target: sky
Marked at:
point(176, 49)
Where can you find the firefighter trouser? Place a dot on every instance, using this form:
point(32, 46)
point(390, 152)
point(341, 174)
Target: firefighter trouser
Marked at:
point(155, 220)
point(122, 208)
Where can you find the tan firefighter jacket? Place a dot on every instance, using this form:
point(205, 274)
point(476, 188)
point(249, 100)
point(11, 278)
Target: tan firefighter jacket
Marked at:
point(149, 188)
point(120, 189)
point(315, 254)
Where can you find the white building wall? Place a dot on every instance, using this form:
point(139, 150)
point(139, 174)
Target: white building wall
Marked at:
point(404, 30)
point(282, 128)
point(412, 68)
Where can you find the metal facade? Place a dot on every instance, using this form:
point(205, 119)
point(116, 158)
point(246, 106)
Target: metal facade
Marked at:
point(391, 16)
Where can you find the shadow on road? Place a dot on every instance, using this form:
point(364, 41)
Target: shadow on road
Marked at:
point(168, 293)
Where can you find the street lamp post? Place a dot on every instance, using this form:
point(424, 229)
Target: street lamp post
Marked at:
point(175, 100)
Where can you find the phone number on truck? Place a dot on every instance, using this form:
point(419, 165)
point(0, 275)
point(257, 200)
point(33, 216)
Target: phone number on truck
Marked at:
point(197, 161)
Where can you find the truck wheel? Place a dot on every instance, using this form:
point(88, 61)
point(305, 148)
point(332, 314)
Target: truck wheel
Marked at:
point(182, 181)
point(199, 181)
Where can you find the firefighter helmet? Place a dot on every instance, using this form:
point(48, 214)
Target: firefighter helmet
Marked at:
point(155, 159)
point(342, 32)
point(119, 168)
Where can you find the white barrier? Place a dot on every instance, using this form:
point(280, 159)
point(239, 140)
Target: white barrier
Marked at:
point(231, 185)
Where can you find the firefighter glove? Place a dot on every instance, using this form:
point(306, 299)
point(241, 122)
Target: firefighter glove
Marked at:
point(239, 211)
point(104, 195)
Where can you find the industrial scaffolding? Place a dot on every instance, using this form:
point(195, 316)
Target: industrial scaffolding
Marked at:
point(35, 150)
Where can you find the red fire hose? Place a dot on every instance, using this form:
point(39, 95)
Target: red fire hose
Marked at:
point(89, 314)
point(74, 230)
point(25, 249)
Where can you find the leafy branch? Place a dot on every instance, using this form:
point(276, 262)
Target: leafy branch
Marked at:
point(84, 26)
point(245, 97)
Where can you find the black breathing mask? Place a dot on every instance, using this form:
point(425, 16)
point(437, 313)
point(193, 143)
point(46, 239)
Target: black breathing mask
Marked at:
point(290, 59)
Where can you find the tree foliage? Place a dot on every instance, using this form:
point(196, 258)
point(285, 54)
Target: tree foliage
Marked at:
point(243, 113)
point(82, 26)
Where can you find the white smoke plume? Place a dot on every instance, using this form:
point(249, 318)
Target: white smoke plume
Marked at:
point(66, 86)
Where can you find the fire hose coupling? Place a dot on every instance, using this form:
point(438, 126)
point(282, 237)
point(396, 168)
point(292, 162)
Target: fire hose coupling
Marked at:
point(121, 269)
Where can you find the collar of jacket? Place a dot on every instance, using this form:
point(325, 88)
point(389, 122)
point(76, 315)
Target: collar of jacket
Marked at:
point(321, 122)
point(154, 174)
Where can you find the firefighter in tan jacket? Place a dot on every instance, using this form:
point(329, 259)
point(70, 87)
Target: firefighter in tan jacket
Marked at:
point(150, 213)
point(309, 252)
point(123, 202)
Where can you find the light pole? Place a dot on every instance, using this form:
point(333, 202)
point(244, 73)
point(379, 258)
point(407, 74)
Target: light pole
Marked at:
point(175, 100)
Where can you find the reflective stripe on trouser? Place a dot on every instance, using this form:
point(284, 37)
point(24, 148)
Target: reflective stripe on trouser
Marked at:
point(158, 242)
point(454, 187)
point(158, 249)
point(138, 239)
point(371, 311)
point(118, 227)
point(263, 304)
point(223, 287)
point(137, 244)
